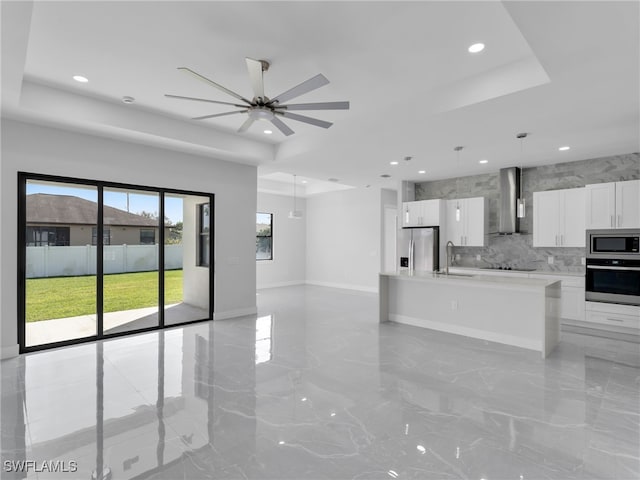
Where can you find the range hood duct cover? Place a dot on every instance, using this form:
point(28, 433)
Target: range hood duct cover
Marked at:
point(509, 192)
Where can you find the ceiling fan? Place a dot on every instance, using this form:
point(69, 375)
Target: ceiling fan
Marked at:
point(265, 108)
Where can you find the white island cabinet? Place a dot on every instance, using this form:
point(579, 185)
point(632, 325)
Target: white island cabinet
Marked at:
point(523, 312)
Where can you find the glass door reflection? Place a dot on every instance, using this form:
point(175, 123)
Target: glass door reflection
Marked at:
point(130, 260)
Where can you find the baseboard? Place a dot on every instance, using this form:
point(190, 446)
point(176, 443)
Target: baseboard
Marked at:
point(238, 312)
point(345, 286)
point(468, 332)
point(9, 352)
point(280, 284)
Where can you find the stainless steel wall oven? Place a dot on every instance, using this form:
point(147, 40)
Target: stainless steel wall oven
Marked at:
point(613, 266)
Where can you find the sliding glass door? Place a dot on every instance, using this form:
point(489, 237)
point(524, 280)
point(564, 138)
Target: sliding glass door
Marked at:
point(131, 224)
point(60, 262)
point(99, 259)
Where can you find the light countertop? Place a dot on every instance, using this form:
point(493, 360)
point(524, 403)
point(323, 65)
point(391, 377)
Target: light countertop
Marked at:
point(474, 279)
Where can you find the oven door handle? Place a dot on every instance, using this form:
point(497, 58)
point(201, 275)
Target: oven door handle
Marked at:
point(600, 267)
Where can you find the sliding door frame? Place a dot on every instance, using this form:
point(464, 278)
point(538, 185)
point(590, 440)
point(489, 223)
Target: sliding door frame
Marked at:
point(100, 185)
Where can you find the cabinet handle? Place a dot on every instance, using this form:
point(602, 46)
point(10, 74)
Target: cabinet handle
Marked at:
point(556, 240)
point(619, 221)
point(561, 239)
point(615, 319)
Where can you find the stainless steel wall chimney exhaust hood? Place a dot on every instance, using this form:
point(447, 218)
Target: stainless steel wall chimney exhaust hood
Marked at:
point(509, 222)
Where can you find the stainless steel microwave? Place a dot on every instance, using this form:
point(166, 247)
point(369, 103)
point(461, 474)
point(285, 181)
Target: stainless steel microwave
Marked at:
point(615, 242)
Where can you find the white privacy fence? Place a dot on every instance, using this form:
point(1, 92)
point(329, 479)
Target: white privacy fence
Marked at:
point(75, 261)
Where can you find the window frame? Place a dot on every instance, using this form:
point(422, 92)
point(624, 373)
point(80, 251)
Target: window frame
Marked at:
point(203, 255)
point(270, 236)
point(147, 230)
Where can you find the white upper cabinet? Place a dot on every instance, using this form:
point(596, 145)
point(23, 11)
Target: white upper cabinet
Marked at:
point(558, 219)
point(470, 229)
point(613, 205)
point(423, 213)
point(628, 204)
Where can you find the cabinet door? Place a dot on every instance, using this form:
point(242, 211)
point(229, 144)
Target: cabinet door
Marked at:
point(474, 221)
point(431, 212)
point(414, 215)
point(628, 204)
point(601, 205)
point(453, 227)
point(573, 233)
point(546, 219)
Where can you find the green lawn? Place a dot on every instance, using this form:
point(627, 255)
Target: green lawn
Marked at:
point(62, 297)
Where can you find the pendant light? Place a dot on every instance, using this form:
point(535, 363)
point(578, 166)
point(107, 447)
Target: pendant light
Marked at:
point(520, 203)
point(457, 150)
point(406, 207)
point(295, 214)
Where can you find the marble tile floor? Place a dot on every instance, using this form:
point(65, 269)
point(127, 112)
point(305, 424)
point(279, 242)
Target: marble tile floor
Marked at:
point(315, 388)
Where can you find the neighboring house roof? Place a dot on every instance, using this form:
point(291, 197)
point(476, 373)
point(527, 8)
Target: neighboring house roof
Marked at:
point(51, 209)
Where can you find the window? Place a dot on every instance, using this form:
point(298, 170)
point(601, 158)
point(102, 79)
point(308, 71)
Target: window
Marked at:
point(204, 220)
point(264, 236)
point(52, 236)
point(147, 236)
point(106, 236)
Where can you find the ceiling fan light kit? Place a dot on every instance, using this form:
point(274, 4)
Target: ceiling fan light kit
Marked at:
point(262, 107)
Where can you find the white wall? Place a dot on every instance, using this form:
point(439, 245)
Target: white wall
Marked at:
point(343, 239)
point(289, 242)
point(39, 149)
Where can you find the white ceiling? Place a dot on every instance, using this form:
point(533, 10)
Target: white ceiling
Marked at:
point(566, 72)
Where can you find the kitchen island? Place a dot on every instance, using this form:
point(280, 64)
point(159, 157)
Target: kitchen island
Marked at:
point(523, 312)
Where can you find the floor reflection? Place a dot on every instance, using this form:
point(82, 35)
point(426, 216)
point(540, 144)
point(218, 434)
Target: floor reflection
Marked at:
point(314, 387)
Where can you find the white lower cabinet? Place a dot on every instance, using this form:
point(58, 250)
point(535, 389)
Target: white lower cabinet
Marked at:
point(607, 315)
point(572, 301)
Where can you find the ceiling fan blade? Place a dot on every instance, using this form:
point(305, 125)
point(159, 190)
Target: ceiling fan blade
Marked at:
point(306, 86)
point(255, 75)
point(282, 126)
point(245, 126)
point(302, 118)
point(214, 84)
point(217, 115)
point(316, 106)
point(203, 100)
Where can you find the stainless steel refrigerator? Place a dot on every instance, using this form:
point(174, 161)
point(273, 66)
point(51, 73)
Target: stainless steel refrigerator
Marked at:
point(419, 249)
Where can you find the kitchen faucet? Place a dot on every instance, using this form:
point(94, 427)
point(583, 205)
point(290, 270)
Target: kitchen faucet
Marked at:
point(450, 246)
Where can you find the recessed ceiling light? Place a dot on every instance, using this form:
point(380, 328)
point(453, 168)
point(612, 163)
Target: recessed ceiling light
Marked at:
point(385, 175)
point(268, 132)
point(128, 99)
point(483, 161)
point(476, 48)
point(334, 180)
point(407, 158)
point(562, 149)
point(393, 163)
point(422, 171)
point(304, 181)
point(80, 78)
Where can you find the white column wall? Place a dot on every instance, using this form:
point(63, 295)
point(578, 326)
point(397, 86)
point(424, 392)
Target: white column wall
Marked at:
point(38, 149)
point(289, 242)
point(343, 239)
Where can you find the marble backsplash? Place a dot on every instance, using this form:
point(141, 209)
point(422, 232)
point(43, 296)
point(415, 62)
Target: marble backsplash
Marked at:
point(517, 250)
